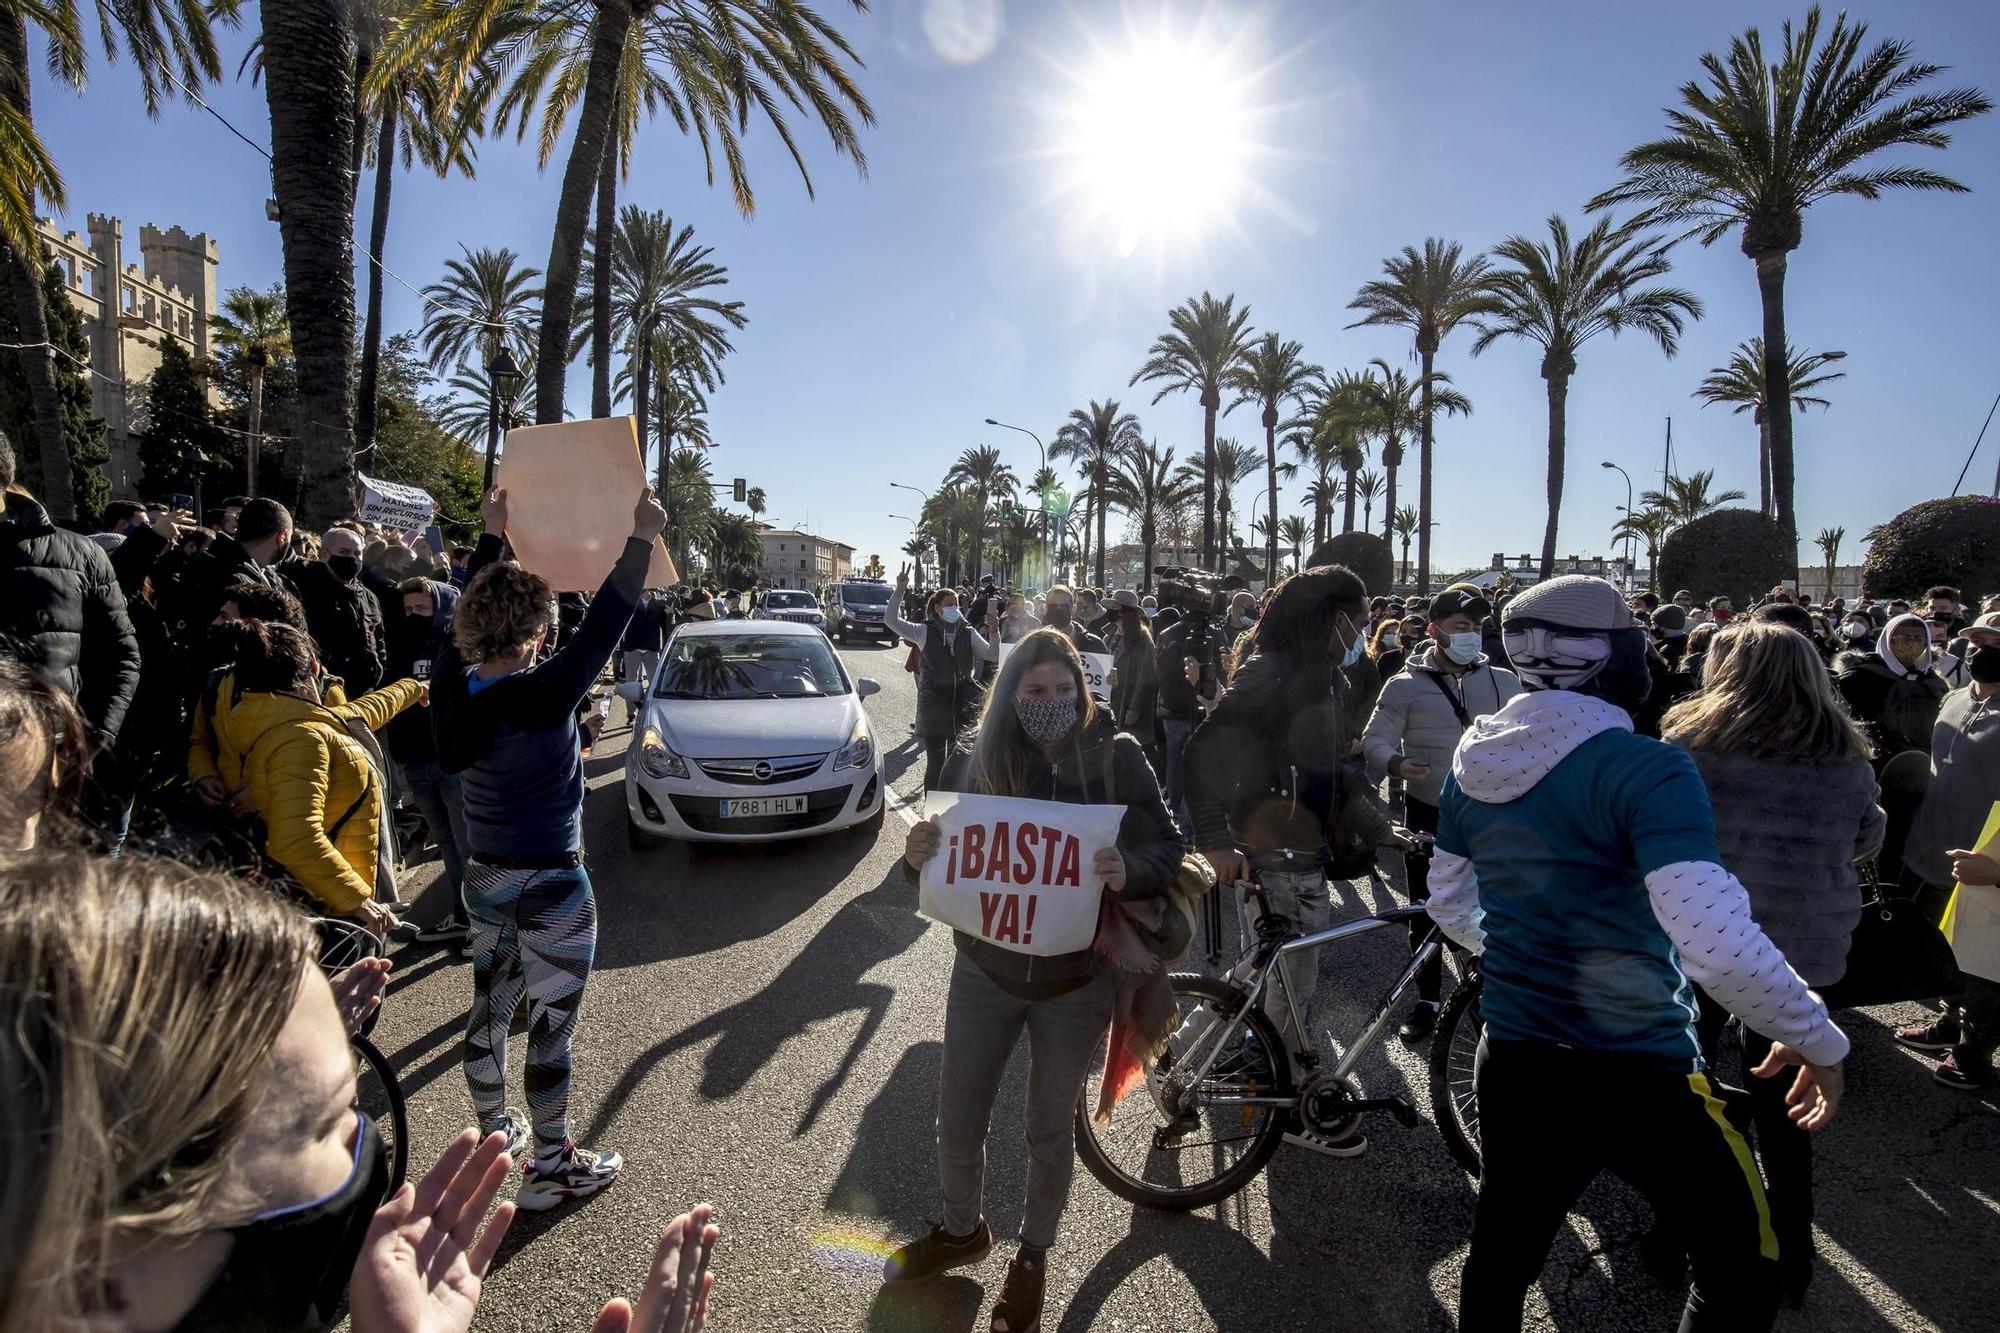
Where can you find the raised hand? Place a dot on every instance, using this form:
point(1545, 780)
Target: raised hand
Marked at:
point(424, 1258)
point(675, 1299)
point(649, 520)
point(494, 510)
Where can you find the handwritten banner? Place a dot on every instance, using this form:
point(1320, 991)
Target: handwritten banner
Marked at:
point(1096, 672)
point(1016, 873)
point(394, 505)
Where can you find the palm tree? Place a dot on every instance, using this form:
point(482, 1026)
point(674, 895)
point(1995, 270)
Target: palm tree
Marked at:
point(1273, 372)
point(1295, 535)
point(1146, 485)
point(916, 548)
point(680, 395)
point(1234, 464)
point(169, 45)
point(1367, 486)
point(1651, 526)
point(1387, 405)
point(659, 281)
point(1331, 438)
point(1762, 142)
point(1741, 383)
point(1097, 437)
point(1430, 294)
point(754, 501)
point(1558, 294)
point(474, 412)
point(1404, 525)
point(1206, 340)
point(1829, 541)
point(982, 472)
point(483, 301)
point(689, 499)
point(1686, 499)
point(251, 332)
point(711, 64)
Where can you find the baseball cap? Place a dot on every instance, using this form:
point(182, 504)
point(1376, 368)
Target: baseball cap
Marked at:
point(1458, 601)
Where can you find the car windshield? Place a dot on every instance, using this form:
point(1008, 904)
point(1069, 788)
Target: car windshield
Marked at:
point(750, 666)
point(790, 601)
point(865, 594)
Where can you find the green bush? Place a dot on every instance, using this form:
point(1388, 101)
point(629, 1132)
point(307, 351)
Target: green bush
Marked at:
point(1363, 552)
point(1954, 542)
point(1733, 553)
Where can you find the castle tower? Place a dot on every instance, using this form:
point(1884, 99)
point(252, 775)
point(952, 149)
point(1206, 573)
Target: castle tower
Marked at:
point(189, 263)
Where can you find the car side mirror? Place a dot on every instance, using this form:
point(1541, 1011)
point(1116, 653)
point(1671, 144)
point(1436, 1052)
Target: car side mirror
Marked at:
point(867, 686)
point(632, 691)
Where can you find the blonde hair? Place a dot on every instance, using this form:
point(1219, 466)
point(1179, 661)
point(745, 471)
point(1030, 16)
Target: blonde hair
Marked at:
point(139, 1004)
point(1766, 694)
point(1002, 754)
point(502, 613)
point(1375, 648)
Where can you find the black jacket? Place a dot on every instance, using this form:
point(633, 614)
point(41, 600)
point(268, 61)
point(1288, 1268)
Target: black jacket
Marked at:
point(412, 647)
point(346, 625)
point(191, 603)
point(1898, 710)
point(62, 608)
point(948, 690)
point(1148, 838)
point(1171, 649)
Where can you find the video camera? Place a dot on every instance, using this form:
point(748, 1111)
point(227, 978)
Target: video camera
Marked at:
point(1192, 592)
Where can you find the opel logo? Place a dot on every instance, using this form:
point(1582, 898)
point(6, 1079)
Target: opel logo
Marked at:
point(763, 771)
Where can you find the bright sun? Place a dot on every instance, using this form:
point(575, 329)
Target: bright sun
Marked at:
point(1157, 141)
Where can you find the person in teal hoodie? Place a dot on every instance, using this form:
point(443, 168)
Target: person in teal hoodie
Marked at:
point(1579, 861)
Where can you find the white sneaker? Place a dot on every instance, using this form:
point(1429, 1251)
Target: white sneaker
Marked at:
point(577, 1175)
point(1353, 1145)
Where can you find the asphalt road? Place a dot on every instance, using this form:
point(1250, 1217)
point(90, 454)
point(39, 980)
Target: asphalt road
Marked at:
point(763, 1028)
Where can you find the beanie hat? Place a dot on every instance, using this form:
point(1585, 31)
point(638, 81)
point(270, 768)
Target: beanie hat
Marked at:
point(1574, 601)
point(1577, 633)
point(1670, 619)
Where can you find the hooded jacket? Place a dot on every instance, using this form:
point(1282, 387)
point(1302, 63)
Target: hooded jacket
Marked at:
point(1415, 720)
point(1580, 860)
point(1897, 704)
point(412, 647)
point(346, 624)
point(58, 597)
point(314, 786)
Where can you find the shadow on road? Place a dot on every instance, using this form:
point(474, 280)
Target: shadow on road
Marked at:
point(823, 981)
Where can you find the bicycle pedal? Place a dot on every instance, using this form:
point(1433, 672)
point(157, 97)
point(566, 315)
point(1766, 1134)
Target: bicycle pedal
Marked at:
point(1406, 1114)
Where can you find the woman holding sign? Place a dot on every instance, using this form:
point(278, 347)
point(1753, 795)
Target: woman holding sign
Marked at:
point(1041, 738)
point(950, 651)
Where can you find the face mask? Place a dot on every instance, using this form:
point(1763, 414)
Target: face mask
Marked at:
point(1059, 616)
point(1464, 648)
point(1983, 664)
point(344, 567)
point(949, 615)
point(1149, 611)
point(1390, 640)
point(1048, 719)
point(289, 1268)
point(1354, 650)
point(1860, 629)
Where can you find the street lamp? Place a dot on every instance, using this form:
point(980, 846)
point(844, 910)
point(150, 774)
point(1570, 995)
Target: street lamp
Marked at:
point(1630, 536)
point(503, 377)
point(918, 489)
point(1041, 465)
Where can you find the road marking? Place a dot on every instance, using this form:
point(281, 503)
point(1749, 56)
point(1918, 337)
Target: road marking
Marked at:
point(910, 813)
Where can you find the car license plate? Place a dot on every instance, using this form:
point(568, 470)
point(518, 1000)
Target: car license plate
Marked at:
point(753, 807)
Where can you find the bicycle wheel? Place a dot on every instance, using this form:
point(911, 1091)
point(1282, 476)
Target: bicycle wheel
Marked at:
point(1454, 1069)
point(379, 1095)
point(1227, 1127)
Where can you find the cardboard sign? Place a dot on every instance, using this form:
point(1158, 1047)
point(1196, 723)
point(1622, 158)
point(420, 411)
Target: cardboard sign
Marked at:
point(1016, 873)
point(391, 504)
point(571, 488)
point(1972, 918)
point(1096, 672)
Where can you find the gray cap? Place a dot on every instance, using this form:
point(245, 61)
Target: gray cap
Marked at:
point(1574, 601)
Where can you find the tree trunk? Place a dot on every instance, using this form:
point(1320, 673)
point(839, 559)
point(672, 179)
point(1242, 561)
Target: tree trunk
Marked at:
point(1148, 534)
point(371, 326)
point(31, 317)
point(1102, 513)
point(1347, 519)
point(600, 287)
point(1558, 442)
point(1210, 401)
point(978, 533)
point(308, 74)
point(1423, 487)
point(364, 61)
point(1271, 480)
point(1391, 459)
point(1763, 465)
point(253, 444)
point(642, 388)
point(586, 157)
point(1778, 398)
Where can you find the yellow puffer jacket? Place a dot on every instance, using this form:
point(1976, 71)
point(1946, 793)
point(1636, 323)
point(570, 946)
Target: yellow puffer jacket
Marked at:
point(209, 755)
point(306, 773)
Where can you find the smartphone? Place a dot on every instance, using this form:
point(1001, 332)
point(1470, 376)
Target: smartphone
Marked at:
point(434, 538)
point(180, 502)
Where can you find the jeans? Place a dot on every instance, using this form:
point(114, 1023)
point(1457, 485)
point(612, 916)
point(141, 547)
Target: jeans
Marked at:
point(1301, 896)
point(1551, 1119)
point(1421, 817)
point(532, 931)
point(982, 1023)
point(639, 664)
point(436, 793)
point(1176, 733)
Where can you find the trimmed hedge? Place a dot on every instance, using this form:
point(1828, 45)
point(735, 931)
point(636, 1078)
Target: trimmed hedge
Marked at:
point(1954, 542)
point(1363, 552)
point(1733, 553)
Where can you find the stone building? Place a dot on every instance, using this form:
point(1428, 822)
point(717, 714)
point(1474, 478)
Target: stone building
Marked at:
point(795, 559)
point(127, 307)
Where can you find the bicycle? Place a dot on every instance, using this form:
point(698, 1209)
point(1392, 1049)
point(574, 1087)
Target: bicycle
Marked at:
point(378, 1092)
point(1222, 1095)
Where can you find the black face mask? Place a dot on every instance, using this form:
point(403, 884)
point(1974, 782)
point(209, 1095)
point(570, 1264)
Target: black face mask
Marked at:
point(289, 1269)
point(1983, 664)
point(344, 567)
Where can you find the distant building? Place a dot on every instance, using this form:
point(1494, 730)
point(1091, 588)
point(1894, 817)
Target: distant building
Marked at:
point(794, 559)
point(126, 309)
point(1525, 569)
point(1846, 582)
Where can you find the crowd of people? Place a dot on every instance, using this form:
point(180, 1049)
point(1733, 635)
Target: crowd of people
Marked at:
point(1654, 823)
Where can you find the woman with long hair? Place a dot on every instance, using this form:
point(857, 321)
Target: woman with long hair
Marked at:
point(1041, 737)
point(949, 654)
point(1135, 691)
point(44, 752)
point(1795, 801)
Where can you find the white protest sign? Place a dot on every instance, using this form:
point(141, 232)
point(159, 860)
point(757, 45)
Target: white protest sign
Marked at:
point(1016, 873)
point(1096, 672)
point(391, 504)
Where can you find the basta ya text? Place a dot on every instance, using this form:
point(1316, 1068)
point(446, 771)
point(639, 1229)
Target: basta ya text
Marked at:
point(1009, 853)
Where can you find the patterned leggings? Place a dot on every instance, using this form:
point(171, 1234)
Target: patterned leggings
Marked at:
point(532, 931)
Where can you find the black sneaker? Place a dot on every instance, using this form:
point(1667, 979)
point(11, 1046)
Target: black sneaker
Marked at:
point(1423, 1020)
point(938, 1252)
point(446, 931)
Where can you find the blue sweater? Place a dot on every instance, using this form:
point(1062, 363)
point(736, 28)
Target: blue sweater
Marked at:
point(514, 738)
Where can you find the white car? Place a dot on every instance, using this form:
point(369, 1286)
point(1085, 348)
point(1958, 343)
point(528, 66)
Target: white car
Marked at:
point(751, 731)
point(791, 604)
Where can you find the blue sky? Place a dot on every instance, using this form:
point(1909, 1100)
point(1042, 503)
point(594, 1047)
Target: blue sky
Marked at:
point(1011, 255)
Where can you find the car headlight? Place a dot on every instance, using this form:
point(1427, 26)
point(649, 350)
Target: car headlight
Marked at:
point(657, 759)
point(860, 748)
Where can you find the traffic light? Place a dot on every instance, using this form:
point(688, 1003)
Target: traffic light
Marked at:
point(874, 568)
point(739, 491)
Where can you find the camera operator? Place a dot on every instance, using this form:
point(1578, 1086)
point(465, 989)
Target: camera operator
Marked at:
point(1268, 785)
point(1193, 641)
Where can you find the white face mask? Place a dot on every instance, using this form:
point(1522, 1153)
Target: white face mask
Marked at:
point(1464, 648)
point(1390, 640)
